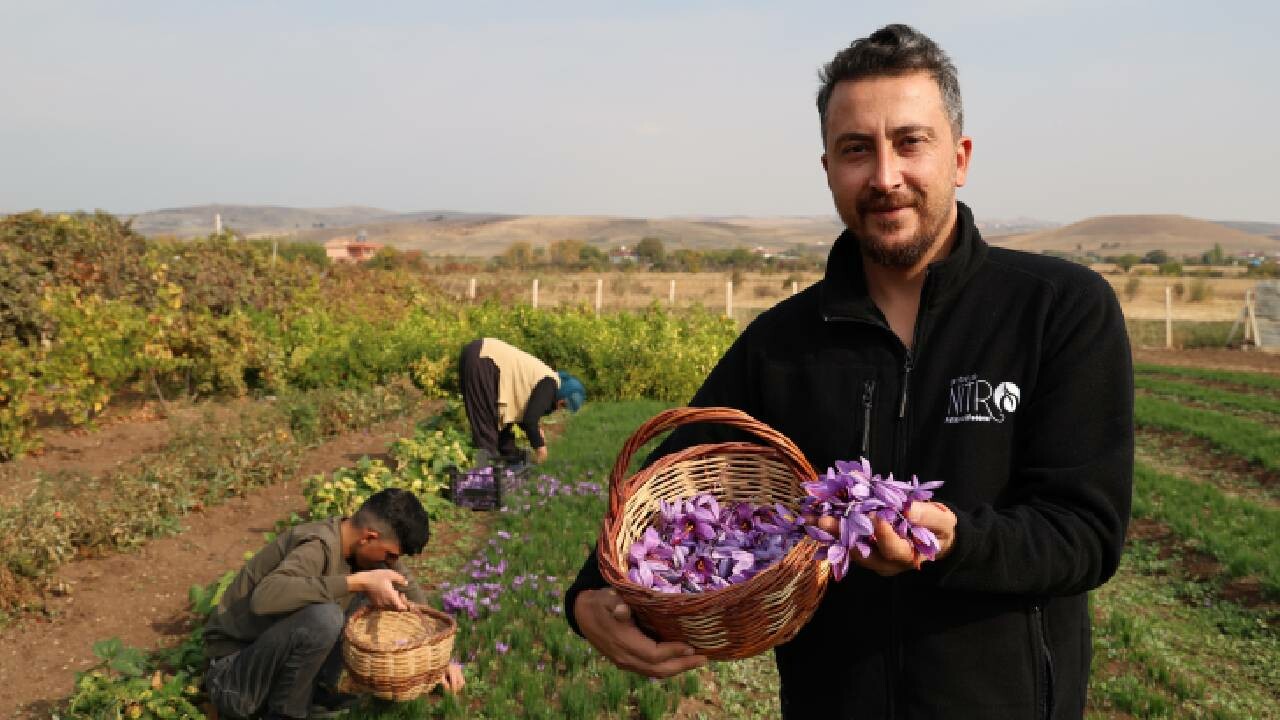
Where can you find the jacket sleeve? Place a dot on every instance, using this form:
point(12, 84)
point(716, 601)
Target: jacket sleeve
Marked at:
point(542, 400)
point(1062, 528)
point(725, 385)
point(297, 581)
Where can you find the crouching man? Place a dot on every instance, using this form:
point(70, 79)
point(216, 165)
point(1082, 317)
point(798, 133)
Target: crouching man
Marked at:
point(274, 642)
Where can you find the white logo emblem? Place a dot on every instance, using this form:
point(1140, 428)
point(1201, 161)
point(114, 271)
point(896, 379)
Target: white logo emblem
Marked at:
point(973, 399)
point(1006, 396)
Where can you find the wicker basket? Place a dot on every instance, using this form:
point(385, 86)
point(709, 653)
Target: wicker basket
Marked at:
point(397, 655)
point(741, 620)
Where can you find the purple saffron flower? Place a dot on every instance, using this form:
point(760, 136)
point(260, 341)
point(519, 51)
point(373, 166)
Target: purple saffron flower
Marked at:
point(501, 647)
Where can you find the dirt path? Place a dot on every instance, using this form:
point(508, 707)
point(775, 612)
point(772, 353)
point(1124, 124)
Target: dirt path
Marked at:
point(141, 597)
point(121, 436)
point(1218, 359)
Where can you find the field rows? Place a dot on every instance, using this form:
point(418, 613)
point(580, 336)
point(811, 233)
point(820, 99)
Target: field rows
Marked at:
point(1185, 629)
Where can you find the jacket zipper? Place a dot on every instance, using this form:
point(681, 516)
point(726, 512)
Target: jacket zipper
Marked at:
point(1044, 664)
point(868, 392)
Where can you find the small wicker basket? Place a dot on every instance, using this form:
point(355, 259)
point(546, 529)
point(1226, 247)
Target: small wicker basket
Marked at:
point(741, 620)
point(397, 655)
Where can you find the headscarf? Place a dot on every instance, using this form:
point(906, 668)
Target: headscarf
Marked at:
point(571, 391)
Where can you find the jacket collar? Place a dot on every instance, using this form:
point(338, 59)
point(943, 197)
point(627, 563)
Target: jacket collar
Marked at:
point(844, 293)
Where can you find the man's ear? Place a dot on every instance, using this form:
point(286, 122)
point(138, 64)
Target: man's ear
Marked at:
point(370, 535)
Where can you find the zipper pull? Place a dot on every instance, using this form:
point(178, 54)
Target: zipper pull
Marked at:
point(868, 392)
point(906, 385)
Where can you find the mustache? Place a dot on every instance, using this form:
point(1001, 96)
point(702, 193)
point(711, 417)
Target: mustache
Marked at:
point(877, 201)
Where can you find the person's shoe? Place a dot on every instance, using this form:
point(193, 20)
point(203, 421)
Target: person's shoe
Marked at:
point(326, 703)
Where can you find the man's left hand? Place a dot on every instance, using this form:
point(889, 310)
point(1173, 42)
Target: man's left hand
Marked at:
point(891, 554)
point(453, 679)
point(540, 454)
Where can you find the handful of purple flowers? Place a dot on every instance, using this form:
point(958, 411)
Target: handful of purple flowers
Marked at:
point(695, 544)
point(852, 495)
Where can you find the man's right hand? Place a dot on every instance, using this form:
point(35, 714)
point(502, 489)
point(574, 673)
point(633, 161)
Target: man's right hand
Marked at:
point(605, 620)
point(380, 587)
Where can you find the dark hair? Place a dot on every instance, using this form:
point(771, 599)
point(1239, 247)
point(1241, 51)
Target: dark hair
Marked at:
point(892, 50)
point(399, 513)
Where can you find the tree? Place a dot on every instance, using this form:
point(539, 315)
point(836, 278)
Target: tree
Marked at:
point(651, 250)
point(517, 255)
point(1125, 262)
point(566, 253)
point(1156, 257)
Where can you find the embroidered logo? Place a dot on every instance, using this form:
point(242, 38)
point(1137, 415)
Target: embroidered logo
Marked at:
point(973, 399)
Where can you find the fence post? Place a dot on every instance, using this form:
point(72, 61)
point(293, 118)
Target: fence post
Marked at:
point(795, 287)
point(1249, 300)
point(671, 293)
point(728, 298)
point(599, 294)
point(471, 289)
point(535, 293)
point(1168, 316)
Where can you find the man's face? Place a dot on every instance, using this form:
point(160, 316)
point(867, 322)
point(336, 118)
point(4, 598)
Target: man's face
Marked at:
point(373, 552)
point(893, 165)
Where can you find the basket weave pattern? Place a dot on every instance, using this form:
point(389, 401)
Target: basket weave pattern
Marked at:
point(397, 655)
point(741, 620)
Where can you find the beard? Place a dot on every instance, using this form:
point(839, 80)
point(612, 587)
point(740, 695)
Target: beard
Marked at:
point(873, 233)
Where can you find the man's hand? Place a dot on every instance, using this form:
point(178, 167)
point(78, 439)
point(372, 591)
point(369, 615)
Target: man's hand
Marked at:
point(453, 681)
point(891, 554)
point(540, 455)
point(606, 622)
point(380, 587)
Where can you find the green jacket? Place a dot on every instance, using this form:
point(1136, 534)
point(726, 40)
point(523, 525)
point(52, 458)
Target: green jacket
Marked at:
point(303, 565)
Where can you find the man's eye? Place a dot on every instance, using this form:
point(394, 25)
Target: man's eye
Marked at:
point(855, 149)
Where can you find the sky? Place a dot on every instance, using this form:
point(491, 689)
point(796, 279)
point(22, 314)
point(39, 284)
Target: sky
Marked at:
point(648, 109)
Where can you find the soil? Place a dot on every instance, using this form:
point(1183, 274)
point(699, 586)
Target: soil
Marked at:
point(141, 597)
point(121, 435)
point(1204, 568)
point(1215, 358)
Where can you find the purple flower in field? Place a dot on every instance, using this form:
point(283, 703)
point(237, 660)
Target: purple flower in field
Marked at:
point(501, 647)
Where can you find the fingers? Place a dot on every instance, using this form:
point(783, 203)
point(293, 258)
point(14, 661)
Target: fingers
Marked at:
point(891, 547)
point(606, 621)
point(454, 680)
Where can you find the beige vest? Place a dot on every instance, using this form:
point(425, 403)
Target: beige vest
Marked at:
point(518, 373)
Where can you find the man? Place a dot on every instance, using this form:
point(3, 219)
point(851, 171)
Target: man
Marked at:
point(503, 386)
point(1007, 375)
point(273, 641)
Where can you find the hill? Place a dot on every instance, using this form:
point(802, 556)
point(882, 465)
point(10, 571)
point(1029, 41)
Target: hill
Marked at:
point(1138, 234)
point(490, 235)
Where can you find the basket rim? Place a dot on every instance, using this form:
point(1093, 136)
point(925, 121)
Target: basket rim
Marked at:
point(447, 630)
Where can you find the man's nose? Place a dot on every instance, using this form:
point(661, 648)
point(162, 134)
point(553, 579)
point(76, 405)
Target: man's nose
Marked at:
point(888, 170)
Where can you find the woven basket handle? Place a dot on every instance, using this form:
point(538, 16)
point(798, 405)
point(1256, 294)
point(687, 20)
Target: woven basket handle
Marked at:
point(674, 418)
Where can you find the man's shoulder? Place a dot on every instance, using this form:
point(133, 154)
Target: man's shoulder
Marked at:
point(324, 532)
point(1057, 273)
point(788, 314)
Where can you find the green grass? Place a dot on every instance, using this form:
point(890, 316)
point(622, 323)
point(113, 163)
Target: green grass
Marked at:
point(1257, 380)
point(1250, 440)
point(1163, 649)
point(522, 660)
point(1208, 395)
point(1241, 534)
point(1186, 333)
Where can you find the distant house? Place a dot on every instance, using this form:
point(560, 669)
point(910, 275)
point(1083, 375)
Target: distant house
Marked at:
point(348, 249)
point(620, 255)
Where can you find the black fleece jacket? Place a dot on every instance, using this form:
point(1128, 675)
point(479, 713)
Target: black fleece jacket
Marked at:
point(1019, 395)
